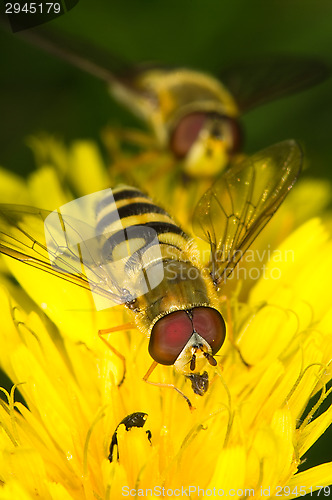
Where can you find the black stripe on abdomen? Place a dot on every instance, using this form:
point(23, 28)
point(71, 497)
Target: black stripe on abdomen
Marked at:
point(129, 210)
point(122, 194)
point(147, 231)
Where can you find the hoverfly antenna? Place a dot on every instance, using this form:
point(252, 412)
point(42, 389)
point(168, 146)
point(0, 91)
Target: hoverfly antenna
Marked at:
point(193, 362)
point(210, 359)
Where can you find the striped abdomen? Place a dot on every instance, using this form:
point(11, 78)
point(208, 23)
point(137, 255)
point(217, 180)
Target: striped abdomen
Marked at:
point(138, 235)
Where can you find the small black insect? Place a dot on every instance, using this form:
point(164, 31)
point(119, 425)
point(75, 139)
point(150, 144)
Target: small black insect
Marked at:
point(136, 419)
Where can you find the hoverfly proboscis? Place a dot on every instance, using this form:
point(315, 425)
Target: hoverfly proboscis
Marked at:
point(130, 242)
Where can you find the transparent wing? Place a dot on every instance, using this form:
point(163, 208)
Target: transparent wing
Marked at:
point(256, 82)
point(23, 237)
point(80, 53)
point(87, 242)
point(86, 56)
point(231, 214)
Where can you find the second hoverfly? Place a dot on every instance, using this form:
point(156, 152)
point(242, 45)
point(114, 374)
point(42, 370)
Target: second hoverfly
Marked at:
point(131, 252)
point(193, 115)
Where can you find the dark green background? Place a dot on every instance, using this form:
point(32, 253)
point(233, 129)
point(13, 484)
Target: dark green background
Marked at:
point(40, 93)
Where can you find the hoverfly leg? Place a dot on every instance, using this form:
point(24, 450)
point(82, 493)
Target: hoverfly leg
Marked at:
point(114, 138)
point(101, 333)
point(169, 386)
point(149, 153)
point(133, 136)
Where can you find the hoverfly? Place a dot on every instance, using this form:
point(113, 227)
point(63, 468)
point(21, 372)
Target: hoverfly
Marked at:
point(136, 239)
point(193, 115)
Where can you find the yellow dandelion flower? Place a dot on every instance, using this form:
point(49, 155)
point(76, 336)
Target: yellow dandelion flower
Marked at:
point(249, 431)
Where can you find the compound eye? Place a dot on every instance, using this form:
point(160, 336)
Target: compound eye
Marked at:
point(168, 337)
point(220, 127)
point(186, 133)
point(209, 324)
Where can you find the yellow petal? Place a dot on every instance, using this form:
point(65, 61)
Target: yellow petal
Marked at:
point(313, 431)
point(315, 479)
point(230, 471)
point(87, 170)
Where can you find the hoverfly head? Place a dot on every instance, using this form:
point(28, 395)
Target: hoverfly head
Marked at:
point(206, 141)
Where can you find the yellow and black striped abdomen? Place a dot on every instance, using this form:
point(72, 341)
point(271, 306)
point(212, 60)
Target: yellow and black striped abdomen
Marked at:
point(143, 240)
point(131, 220)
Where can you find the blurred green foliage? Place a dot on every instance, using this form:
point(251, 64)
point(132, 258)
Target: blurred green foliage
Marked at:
point(41, 93)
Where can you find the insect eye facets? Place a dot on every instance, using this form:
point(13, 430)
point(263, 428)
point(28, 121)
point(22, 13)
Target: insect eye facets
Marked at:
point(210, 325)
point(169, 336)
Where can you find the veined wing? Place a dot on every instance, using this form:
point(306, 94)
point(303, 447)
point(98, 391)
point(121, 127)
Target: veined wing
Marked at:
point(256, 82)
point(23, 237)
point(231, 214)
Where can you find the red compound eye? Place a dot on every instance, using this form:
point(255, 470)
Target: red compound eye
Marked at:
point(219, 127)
point(169, 336)
point(186, 133)
point(209, 324)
